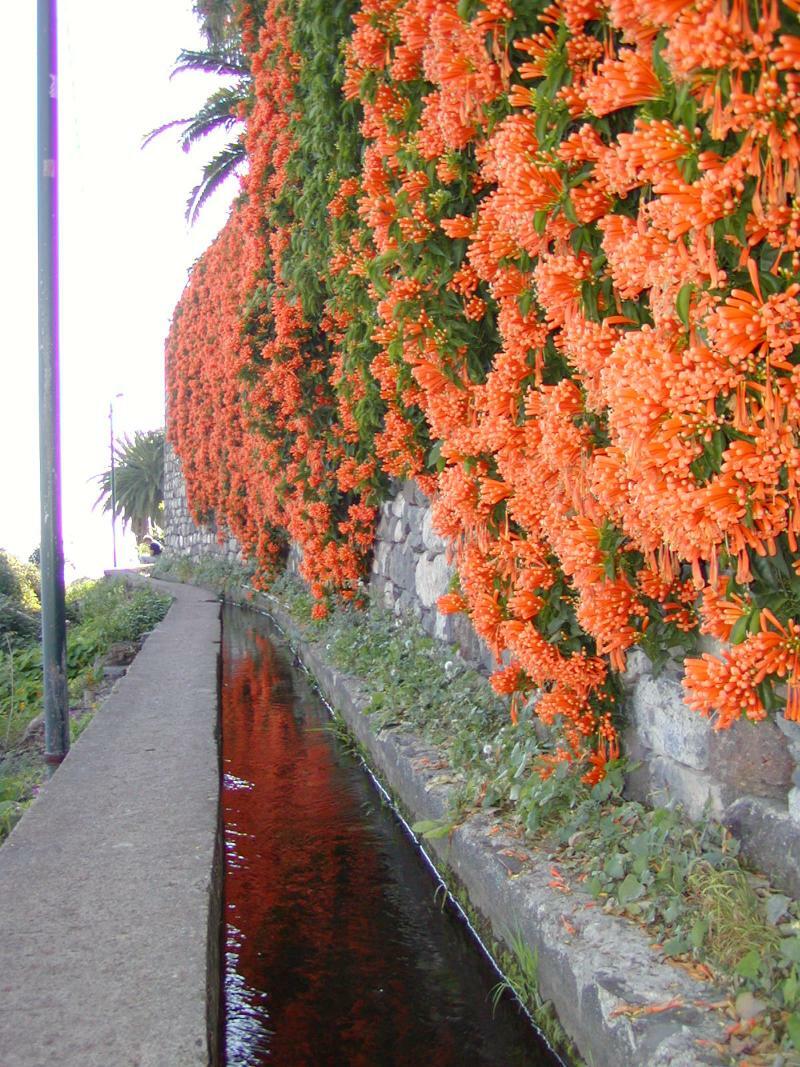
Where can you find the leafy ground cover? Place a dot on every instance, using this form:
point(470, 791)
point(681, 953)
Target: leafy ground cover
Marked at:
point(101, 616)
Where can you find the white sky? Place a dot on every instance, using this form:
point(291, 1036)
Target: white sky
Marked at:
point(125, 249)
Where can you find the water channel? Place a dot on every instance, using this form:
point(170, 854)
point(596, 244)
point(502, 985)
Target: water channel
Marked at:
point(336, 951)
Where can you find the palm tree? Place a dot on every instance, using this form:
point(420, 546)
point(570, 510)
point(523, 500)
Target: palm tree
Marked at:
point(137, 483)
point(222, 111)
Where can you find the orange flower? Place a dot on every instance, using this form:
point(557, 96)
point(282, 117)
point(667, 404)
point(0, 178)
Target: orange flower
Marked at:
point(451, 604)
point(622, 82)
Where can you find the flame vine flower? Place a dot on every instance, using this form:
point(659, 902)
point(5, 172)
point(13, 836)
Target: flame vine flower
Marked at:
point(542, 258)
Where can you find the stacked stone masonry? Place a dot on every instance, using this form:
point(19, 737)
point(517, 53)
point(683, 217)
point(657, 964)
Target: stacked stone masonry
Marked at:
point(747, 777)
point(411, 570)
point(182, 537)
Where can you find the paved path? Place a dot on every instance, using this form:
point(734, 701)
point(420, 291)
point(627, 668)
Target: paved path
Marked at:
point(107, 884)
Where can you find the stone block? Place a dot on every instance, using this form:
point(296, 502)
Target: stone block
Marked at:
point(770, 839)
point(751, 758)
point(430, 539)
point(399, 506)
point(413, 494)
point(791, 731)
point(465, 638)
point(666, 725)
point(794, 805)
point(380, 558)
point(414, 539)
point(385, 525)
point(693, 789)
point(638, 784)
point(487, 660)
point(398, 531)
point(414, 516)
point(401, 567)
point(442, 627)
point(432, 579)
point(638, 665)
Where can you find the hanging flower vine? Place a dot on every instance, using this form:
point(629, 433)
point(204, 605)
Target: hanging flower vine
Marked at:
point(540, 258)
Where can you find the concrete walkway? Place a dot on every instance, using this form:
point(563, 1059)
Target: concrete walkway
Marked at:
point(108, 884)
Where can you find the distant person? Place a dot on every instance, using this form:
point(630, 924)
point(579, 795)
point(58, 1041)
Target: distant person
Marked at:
point(155, 547)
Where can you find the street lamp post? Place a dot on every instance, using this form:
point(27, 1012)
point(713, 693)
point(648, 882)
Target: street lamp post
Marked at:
point(54, 634)
point(113, 481)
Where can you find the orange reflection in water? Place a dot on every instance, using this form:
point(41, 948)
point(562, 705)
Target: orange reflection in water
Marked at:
point(335, 950)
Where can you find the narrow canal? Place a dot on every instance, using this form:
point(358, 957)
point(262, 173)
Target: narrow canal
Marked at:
point(335, 950)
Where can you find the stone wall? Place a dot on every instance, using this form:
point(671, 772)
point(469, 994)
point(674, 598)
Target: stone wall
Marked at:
point(747, 777)
point(181, 536)
point(411, 570)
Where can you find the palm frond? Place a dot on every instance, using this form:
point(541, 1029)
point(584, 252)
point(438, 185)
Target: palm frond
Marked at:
point(219, 112)
point(213, 61)
point(215, 172)
point(148, 137)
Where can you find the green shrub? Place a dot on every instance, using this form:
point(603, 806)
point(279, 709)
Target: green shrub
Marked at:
point(20, 582)
point(17, 624)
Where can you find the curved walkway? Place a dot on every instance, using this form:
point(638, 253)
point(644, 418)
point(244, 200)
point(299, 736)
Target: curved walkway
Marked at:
point(108, 883)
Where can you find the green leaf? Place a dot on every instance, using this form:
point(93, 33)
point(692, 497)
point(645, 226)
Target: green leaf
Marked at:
point(675, 946)
point(749, 965)
point(790, 949)
point(793, 1029)
point(594, 886)
point(790, 988)
point(630, 889)
point(424, 825)
point(432, 829)
point(697, 934)
point(776, 907)
point(739, 630)
point(683, 303)
point(439, 831)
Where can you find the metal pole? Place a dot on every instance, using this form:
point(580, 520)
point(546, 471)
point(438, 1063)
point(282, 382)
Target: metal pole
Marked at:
point(113, 486)
point(54, 637)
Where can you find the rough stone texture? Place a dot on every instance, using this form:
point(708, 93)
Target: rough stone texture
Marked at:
point(432, 578)
point(109, 882)
point(182, 537)
point(769, 838)
point(411, 570)
point(592, 975)
point(746, 776)
point(751, 758)
point(665, 724)
point(698, 792)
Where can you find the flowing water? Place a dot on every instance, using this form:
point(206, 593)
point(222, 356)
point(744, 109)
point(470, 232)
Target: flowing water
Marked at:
point(336, 951)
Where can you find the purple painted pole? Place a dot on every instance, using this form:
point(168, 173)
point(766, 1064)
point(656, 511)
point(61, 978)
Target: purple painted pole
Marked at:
point(54, 645)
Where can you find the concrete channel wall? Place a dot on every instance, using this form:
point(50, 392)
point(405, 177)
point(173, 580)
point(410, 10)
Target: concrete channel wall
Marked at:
point(110, 882)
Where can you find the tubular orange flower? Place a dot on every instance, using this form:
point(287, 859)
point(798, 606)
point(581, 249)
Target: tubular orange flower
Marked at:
point(451, 604)
point(622, 82)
